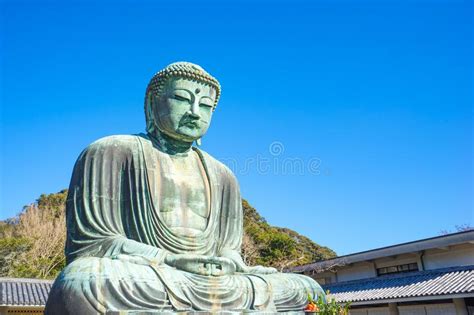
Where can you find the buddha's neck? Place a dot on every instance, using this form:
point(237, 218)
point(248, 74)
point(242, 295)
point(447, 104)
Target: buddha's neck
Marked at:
point(170, 145)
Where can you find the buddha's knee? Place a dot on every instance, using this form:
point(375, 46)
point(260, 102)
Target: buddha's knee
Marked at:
point(292, 281)
point(95, 285)
point(70, 294)
point(290, 291)
point(307, 285)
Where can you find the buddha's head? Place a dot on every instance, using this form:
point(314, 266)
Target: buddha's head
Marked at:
point(180, 100)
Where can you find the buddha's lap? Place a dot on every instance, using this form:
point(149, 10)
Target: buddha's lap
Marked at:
point(105, 270)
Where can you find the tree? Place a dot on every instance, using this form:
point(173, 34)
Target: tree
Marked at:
point(458, 228)
point(275, 246)
point(35, 239)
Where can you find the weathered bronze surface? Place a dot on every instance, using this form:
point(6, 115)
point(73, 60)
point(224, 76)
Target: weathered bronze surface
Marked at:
point(155, 224)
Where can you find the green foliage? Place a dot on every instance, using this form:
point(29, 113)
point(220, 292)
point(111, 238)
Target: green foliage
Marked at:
point(324, 307)
point(11, 248)
point(55, 203)
point(278, 247)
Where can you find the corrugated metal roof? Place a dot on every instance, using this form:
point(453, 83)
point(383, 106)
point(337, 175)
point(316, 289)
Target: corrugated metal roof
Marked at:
point(448, 281)
point(28, 292)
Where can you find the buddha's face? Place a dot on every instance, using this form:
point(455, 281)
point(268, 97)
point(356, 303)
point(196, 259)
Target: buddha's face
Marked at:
point(184, 110)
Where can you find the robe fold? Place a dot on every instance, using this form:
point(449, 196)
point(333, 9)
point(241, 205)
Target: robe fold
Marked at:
point(117, 241)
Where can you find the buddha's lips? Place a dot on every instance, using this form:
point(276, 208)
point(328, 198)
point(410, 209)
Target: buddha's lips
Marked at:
point(190, 123)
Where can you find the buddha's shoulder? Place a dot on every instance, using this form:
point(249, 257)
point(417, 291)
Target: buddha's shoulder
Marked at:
point(115, 143)
point(216, 164)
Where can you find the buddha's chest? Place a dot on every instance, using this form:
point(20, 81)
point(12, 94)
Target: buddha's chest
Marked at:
point(184, 205)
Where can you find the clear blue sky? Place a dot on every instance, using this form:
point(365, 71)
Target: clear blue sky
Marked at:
point(380, 92)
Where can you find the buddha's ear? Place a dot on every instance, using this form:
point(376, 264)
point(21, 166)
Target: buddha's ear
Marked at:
point(150, 120)
point(199, 142)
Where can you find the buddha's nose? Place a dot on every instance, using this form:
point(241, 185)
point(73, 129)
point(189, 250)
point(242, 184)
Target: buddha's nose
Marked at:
point(194, 112)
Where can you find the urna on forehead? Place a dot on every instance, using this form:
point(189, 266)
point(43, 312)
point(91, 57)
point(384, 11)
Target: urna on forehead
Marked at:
point(185, 70)
point(194, 86)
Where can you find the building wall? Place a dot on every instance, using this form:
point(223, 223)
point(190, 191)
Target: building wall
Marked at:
point(358, 271)
point(427, 309)
point(460, 255)
point(370, 311)
point(399, 260)
point(323, 278)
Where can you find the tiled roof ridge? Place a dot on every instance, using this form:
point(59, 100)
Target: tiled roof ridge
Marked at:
point(427, 284)
point(24, 291)
point(26, 280)
point(402, 275)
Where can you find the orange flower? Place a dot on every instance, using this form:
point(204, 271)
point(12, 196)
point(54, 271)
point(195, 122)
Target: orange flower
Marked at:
point(311, 307)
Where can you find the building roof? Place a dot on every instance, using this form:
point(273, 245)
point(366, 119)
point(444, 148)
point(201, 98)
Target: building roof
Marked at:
point(27, 292)
point(429, 283)
point(442, 241)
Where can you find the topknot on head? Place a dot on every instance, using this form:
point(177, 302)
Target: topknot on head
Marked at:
point(183, 69)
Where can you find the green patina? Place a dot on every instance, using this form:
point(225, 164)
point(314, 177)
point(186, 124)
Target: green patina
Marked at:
point(155, 224)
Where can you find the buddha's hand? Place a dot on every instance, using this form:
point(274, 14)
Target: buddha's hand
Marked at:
point(242, 267)
point(259, 270)
point(201, 265)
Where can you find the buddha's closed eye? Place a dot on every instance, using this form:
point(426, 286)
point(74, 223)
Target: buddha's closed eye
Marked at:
point(182, 97)
point(206, 103)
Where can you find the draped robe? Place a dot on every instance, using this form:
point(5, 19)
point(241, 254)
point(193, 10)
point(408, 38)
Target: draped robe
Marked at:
point(117, 241)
